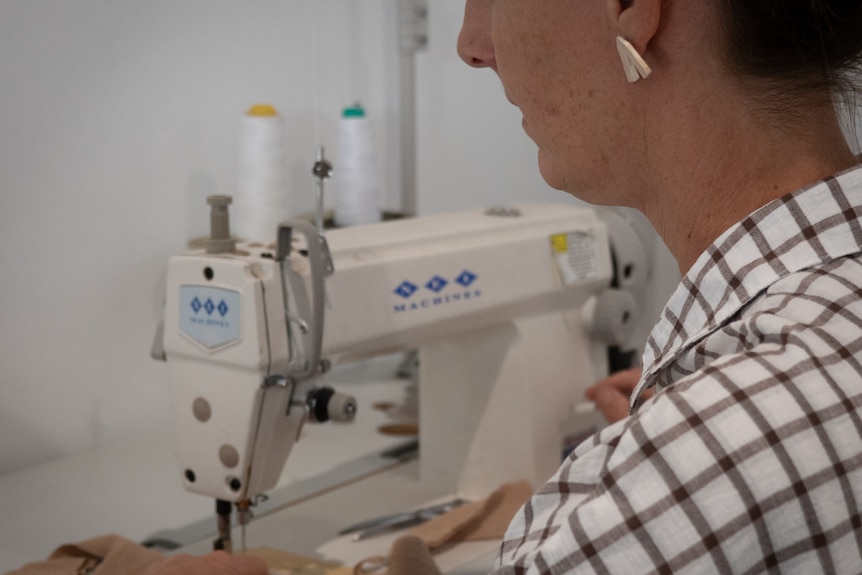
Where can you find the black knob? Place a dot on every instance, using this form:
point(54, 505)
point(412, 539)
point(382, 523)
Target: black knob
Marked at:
point(326, 404)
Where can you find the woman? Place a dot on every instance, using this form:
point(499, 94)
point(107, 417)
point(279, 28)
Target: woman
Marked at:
point(748, 459)
point(716, 119)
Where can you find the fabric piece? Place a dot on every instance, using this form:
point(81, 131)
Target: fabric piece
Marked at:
point(475, 521)
point(492, 524)
point(106, 555)
point(61, 566)
point(408, 556)
point(284, 563)
point(748, 459)
point(113, 555)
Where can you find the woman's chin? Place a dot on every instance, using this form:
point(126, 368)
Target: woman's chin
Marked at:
point(591, 192)
point(549, 172)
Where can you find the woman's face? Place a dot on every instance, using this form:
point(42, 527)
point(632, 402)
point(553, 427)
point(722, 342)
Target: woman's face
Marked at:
point(558, 64)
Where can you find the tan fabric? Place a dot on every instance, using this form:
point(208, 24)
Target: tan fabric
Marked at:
point(447, 527)
point(106, 555)
point(409, 556)
point(476, 521)
point(54, 567)
point(492, 525)
point(113, 555)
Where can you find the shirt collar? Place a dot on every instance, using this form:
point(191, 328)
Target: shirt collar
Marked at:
point(794, 232)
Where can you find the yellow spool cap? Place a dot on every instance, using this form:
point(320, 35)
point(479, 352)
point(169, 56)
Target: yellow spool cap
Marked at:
point(262, 110)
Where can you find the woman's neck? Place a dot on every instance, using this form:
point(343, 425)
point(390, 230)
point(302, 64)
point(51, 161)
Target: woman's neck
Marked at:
point(736, 165)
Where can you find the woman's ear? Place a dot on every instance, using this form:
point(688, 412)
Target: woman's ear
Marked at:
point(635, 20)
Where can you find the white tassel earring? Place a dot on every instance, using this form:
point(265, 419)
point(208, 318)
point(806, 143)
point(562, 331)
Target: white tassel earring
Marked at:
point(633, 64)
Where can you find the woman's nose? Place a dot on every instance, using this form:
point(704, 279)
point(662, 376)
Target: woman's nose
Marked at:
point(474, 41)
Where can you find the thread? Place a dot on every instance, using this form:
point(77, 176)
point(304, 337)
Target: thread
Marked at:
point(357, 200)
point(261, 198)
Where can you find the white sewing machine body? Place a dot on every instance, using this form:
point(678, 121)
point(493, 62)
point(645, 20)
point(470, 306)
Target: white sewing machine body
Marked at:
point(502, 308)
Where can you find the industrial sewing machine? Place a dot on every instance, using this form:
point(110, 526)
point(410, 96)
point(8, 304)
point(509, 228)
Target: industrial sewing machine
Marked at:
point(513, 312)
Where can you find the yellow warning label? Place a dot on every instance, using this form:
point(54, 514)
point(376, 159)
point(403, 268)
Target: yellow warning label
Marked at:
point(575, 255)
point(560, 243)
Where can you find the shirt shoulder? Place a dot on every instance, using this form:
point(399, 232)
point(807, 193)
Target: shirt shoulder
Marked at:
point(735, 480)
point(813, 312)
point(738, 466)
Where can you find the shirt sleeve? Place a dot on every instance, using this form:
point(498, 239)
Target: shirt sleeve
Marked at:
point(730, 470)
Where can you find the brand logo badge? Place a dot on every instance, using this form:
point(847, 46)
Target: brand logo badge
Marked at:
point(209, 307)
point(436, 284)
point(406, 289)
point(210, 316)
point(445, 292)
point(466, 278)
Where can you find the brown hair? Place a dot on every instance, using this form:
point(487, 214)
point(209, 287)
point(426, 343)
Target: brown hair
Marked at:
point(813, 46)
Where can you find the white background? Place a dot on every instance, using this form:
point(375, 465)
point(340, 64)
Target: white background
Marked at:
point(119, 117)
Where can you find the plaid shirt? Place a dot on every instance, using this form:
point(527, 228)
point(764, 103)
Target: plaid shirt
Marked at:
point(749, 459)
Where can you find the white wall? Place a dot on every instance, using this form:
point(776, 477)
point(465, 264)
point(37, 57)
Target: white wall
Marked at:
point(118, 118)
point(471, 144)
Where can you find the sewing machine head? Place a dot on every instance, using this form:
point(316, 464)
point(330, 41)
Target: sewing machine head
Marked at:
point(512, 312)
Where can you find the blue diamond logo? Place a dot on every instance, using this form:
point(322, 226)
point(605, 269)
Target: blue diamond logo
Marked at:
point(222, 308)
point(209, 307)
point(466, 278)
point(406, 289)
point(196, 305)
point(436, 284)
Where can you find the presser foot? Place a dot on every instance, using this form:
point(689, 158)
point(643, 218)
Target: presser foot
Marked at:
point(244, 514)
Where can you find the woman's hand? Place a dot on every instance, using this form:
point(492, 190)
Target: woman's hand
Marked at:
point(215, 563)
point(611, 395)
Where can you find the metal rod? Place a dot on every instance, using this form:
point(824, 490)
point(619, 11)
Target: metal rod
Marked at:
point(243, 516)
point(412, 18)
point(322, 170)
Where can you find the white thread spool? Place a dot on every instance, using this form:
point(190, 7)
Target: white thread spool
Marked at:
point(357, 199)
point(261, 188)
